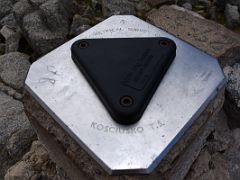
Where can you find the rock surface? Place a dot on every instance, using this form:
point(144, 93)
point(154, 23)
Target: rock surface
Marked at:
point(230, 62)
point(6, 7)
point(232, 16)
point(232, 104)
point(187, 6)
point(16, 133)
point(220, 158)
point(13, 69)
point(12, 38)
point(207, 35)
point(35, 164)
point(44, 26)
point(9, 21)
point(110, 7)
point(160, 2)
point(79, 25)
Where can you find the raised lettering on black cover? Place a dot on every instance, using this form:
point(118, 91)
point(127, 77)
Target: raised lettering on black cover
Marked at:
point(124, 72)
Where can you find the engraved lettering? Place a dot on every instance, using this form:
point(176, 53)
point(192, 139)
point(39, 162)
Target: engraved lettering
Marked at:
point(43, 80)
point(151, 125)
point(140, 129)
point(155, 125)
point(111, 129)
point(115, 130)
point(93, 125)
point(100, 127)
point(121, 131)
point(106, 129)
point(160, 124)
point(138, 75)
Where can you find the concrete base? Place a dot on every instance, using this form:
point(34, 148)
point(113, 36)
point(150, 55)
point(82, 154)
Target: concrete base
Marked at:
point(79, 165)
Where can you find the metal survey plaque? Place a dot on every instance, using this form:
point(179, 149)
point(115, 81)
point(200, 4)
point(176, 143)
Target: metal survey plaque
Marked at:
point(191, 82)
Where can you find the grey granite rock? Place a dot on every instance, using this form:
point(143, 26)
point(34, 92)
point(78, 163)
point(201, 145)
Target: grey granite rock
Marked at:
point(36, 164)
point(110, 7)
point(13, 124)
point(37, 3)
point(13, 69)
point(187, 5)
point(143, 6)
point(40, 38)
point(44, 24)
point(10, 91)
point(232, 104)
point(211, 37)
point(233, 82)
point(55, 16)
point(230, 61)
point(160, 2)
point(12, 37)
point(9, 21)
point(232, 16)
point(5, 7)
point(2, 48)
point(233, 2)
point(96, 4)
point(79, 25)
point(217, 161)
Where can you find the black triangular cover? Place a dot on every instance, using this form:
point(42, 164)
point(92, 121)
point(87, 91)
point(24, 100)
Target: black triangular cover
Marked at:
point(124, 72)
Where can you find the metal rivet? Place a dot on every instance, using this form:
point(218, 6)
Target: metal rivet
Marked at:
point(126, 101)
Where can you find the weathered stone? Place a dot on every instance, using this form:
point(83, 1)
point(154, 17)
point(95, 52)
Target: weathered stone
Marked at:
point(215, 168)
point(41, 39)
point(232, 156)
point(160, 2)
point(207, 35)
point(212, 13)
point(13, 124)
point(13, 69)
point(232, 16)
point(2, 48)
point(232, 104)
point(37, 3)
point(201, 165)
point(233, 84)
point(97, 5)
point(218, 163)
point(19, 141)
point(233, 2)
point(35, 165)
point(20, 9)
point(55, 16)
point(143, 6)
point(221, 4)
point(183, 162)
point(187, 6)
point(79, 25)
point(6, 7)
point(12, 38)
point(110, 7)
point(205, 3)
point(230, 63)
point(6, 32)
point(44, 27)
point(10, 91)
point(9, 21)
